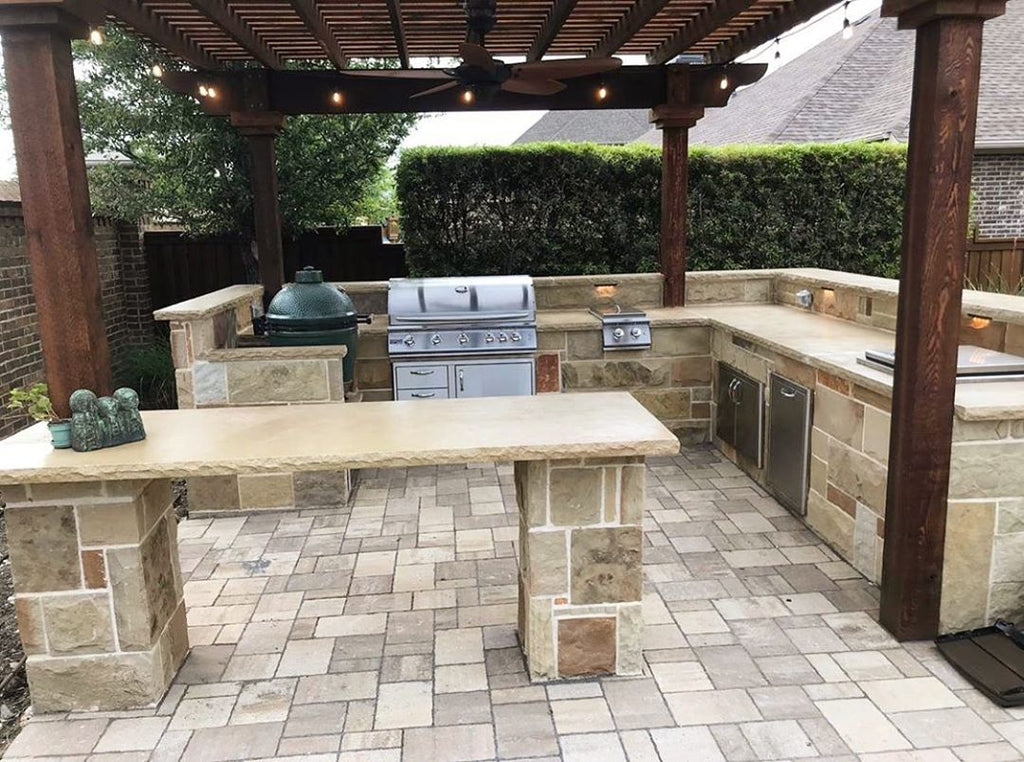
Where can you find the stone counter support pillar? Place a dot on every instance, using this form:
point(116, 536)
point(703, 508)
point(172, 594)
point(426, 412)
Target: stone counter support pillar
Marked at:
point(98, 592)
point(581, 572)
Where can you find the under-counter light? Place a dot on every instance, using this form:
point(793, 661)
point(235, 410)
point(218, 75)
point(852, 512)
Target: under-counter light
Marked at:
point(605, 289)
point(979, 321)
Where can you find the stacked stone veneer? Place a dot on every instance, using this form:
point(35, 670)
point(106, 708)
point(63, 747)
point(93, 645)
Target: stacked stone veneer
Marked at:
point(213, 371)
point(983, 571)
point(581, 573)
point(97, 591)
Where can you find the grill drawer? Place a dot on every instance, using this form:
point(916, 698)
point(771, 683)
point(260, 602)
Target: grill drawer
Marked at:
point(422, 394)
point(421, 377)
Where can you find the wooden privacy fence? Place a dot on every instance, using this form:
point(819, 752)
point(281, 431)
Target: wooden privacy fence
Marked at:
point(181, 268)
point(996, 264)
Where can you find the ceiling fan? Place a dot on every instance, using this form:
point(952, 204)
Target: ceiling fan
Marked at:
point(481, 72)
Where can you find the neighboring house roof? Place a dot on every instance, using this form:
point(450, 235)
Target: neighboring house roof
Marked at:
point(839, 90)
point(10, 192)
point(612, 127)
point(860, 89)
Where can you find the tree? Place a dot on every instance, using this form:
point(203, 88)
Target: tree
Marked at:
point(166, 160)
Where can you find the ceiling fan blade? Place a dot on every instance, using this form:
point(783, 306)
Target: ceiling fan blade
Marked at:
point(531, 86)
point(438, 89)
point(398, 73)
point(477, 55)
point(565, 69)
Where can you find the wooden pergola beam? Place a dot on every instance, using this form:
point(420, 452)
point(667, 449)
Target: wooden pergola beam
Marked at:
point(308, 11)
point(220, 14)
point(768, 28)
point(138, 17)
point(553, 24)
point(398, 28)
point(708, 20)
point(635, 19)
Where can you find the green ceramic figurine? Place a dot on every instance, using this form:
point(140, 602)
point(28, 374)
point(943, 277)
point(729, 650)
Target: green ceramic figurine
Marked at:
point(105, 421)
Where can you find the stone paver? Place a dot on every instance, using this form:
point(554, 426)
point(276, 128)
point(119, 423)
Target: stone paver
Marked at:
point(385, 632)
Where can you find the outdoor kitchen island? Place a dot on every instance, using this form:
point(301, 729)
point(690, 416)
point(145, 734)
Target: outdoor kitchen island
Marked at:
point(93, 538)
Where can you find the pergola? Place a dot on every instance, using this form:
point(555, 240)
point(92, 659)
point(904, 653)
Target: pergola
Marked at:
point(239, 49)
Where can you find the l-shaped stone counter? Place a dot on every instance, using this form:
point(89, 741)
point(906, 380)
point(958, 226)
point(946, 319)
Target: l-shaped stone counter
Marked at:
point(750, 320)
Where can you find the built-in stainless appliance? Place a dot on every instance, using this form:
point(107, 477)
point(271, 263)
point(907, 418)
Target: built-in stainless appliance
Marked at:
point(789, 442)
point(973, 363)
point(739, 414)
point(623, 327)
point(462, 337)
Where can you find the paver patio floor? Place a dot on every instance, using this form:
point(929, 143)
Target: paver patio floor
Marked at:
point(387, 632)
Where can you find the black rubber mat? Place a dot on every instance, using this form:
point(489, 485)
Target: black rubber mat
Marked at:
point(991, 658)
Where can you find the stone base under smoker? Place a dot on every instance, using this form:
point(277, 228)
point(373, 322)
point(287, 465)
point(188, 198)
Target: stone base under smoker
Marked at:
point(98, 592)
point(581, 573)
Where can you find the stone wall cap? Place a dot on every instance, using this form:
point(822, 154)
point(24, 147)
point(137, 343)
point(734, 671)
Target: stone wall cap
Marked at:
point(325, 437)
point(256, 354)
point(210, 304)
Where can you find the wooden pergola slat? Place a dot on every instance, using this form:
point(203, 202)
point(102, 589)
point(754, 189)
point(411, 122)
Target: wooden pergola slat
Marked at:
point(623, 31)
point(160, 33)
point(768, 28)
point(314, 20)
point(710, 19)
point(220, 14)
point(398, 27)
point(553, 24)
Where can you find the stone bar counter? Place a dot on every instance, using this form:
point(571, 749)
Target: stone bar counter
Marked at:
point(92, 536)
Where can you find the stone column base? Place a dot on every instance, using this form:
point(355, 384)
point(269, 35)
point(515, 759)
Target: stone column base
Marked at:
point(97, 592)
point(581, 567)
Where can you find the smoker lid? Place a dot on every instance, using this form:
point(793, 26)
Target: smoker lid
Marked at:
point(971, 361)
point(311, 302)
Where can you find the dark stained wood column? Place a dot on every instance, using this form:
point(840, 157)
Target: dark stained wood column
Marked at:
point(674, 119)
point(261, 129)
point(943, 115)
point(55, 197)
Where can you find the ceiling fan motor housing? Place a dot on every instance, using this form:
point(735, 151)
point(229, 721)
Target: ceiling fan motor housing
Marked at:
point(481, 16)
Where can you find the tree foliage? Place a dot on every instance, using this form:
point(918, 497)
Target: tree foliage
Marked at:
point(166, 160)
point(554, 209)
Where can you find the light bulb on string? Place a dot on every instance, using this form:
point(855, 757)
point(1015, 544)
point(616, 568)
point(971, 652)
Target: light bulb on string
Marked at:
point(96, 36)
point(467, 96)
point(847, 26)
point(602, 92)
point(723, 84)
point(211, 92)
point(337, 98)
point(778, 49)
point(203, 92)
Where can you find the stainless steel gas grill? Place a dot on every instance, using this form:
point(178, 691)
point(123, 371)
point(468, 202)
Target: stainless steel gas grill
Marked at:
point(462, 337)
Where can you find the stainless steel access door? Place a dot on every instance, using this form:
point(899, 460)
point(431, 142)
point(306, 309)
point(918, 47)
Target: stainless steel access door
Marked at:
point(494, 379)
point(789, 442)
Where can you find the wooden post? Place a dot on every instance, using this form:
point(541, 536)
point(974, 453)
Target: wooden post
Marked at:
point(261, 129)
point(674, 119)
point(55, 198)
point(943, 115)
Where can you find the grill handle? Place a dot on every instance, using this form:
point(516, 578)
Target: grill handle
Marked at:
point(467, 317)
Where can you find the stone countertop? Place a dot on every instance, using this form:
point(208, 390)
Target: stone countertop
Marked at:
point(219, 441)
point(255, 353)
point(210, 304)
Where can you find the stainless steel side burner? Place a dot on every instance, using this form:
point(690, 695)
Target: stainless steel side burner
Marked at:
point(623, 327)
point(973, 363)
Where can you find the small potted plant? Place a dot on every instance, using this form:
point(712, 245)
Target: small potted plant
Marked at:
point(35, 402)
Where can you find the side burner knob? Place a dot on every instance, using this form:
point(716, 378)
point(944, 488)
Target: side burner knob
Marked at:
point(618, 334)
point(636, 332)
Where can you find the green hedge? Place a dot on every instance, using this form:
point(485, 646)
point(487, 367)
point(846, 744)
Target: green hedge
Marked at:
point(560, 208)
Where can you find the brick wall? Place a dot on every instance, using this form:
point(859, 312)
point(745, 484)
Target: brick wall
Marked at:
point(998, 186)
point(124, 282)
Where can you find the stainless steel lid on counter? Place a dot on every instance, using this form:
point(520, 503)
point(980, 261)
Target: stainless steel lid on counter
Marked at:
point(973, 363)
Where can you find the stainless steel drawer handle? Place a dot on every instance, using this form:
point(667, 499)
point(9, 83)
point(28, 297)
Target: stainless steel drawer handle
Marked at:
point(462, 380)
point(787, 392)
point(423, 395)
point(421, 372)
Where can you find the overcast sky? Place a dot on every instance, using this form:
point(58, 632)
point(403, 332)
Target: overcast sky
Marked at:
point(502, 128)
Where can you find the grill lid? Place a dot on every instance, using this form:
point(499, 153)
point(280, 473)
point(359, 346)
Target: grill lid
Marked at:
point(505, 298)
point(310, 303)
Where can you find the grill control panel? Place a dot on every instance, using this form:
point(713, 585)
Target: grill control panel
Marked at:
point(458, 341)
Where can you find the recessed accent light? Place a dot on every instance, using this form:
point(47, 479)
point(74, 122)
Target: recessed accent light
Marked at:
point(979, 321)
point(468, 96)
point(724, 84)
point(203, 91)
point(602, 93)
point(337, 98)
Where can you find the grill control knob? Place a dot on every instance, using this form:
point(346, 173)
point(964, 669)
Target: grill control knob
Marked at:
point(489, 338)
point(618, 334)
point(502, 337)
point(636, 332)
point(515, 336)
point(409, 340)
point(463, 338)
point(435, 339)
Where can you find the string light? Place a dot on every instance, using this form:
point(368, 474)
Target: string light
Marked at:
point(337, 98)
point(847, 26)
point(467, 96)
point(602, 93)
point(724, 84)
point(203, 91)
point(211, 92)
point(157, 71)
point(824, 16)
point(96, 36)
